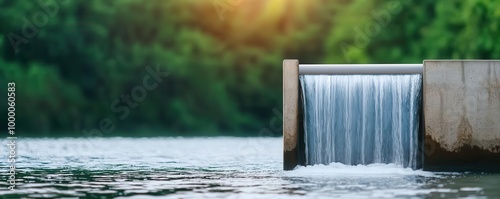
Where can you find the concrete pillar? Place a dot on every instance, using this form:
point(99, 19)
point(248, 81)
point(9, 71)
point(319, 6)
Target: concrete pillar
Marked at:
point(290, 113)
point(461, 115)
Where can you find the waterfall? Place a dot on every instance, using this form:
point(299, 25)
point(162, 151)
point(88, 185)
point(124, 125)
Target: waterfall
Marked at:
point(361, 119)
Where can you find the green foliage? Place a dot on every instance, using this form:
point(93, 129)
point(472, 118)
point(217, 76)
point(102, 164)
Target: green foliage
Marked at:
point(421, 30)
point(224, 75)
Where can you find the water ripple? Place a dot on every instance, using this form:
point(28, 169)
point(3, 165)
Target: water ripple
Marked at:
point(212, 168)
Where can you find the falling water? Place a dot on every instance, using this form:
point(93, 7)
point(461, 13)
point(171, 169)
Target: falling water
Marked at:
point(361, 119)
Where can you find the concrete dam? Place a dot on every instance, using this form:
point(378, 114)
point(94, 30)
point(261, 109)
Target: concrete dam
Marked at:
point(442, 115)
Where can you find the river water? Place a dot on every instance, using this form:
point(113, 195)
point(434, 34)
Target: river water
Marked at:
point(217, 167)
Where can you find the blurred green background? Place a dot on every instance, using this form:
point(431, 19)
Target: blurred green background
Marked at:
point(72, 60)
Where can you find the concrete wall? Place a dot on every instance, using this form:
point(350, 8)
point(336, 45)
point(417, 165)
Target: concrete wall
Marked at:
point(461, 115)
point(290, 113)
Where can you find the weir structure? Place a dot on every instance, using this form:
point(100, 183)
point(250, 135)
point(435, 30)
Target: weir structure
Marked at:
point(459, 113)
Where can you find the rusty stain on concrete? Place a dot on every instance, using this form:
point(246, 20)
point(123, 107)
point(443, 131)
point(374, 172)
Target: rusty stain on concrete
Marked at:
point(462, 103)
point(464, 134)
point(462, 111)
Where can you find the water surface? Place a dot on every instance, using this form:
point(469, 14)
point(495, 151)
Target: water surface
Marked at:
point(214, 168)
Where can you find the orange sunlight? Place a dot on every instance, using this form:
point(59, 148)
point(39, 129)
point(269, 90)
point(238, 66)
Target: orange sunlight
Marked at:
point(244, 20)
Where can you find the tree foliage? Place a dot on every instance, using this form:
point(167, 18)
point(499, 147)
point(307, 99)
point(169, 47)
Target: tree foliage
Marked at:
point(223, 59)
